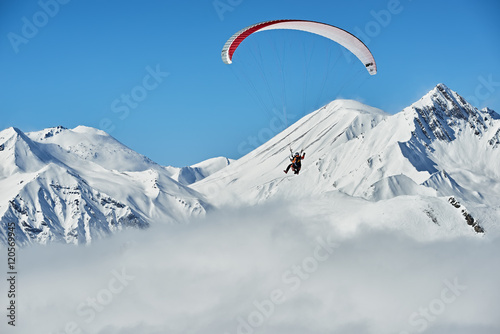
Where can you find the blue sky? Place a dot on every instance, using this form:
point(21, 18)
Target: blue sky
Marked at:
point(72, 62)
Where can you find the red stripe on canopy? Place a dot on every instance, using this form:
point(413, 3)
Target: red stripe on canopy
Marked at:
point(248, 32)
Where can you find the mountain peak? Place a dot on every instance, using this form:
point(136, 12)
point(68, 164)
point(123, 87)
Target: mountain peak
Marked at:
point(90, 130)
point(444, 97)
point(493, 114)
point(438, 113)
point(47, 133)
point(354, 105)
point(442, 86)
point(191, 174)
point(20, 153)
point(92, 145)
point(9, 132)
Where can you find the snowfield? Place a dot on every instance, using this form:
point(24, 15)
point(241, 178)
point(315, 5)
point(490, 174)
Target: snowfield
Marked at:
point(437, 150)
point(76, 185)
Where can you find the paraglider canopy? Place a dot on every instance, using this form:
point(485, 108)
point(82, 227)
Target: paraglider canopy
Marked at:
point(342, 37)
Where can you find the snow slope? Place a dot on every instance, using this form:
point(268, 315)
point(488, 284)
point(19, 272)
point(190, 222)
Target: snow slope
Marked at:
point(73, 185)
point(437, 148)
point(431, 169)
point(191, 174)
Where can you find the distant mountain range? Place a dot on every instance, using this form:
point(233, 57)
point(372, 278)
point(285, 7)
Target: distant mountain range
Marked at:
point(435, 163)
point(74, 185)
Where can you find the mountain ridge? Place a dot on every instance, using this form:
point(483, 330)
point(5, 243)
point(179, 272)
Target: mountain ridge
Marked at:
point(378, 157)
point(75, 185)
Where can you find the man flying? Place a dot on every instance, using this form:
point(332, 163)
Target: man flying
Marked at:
point(296, 163)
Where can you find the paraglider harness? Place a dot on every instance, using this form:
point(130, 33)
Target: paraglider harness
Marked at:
point(296, 162)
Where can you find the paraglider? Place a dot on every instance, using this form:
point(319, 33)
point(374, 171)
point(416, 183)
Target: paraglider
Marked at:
point(340, 36)
point(335, 34)
point(296, 164)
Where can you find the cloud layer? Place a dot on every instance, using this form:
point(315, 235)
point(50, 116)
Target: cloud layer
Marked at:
point(260, 270)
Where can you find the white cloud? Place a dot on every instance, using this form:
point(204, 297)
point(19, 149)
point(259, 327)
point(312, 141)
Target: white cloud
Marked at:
point(208, 277)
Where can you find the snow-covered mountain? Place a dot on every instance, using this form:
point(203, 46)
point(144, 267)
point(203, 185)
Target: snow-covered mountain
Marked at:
point(438, 151)
point(75, 185)
point(432, 168)
point(191, 174)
